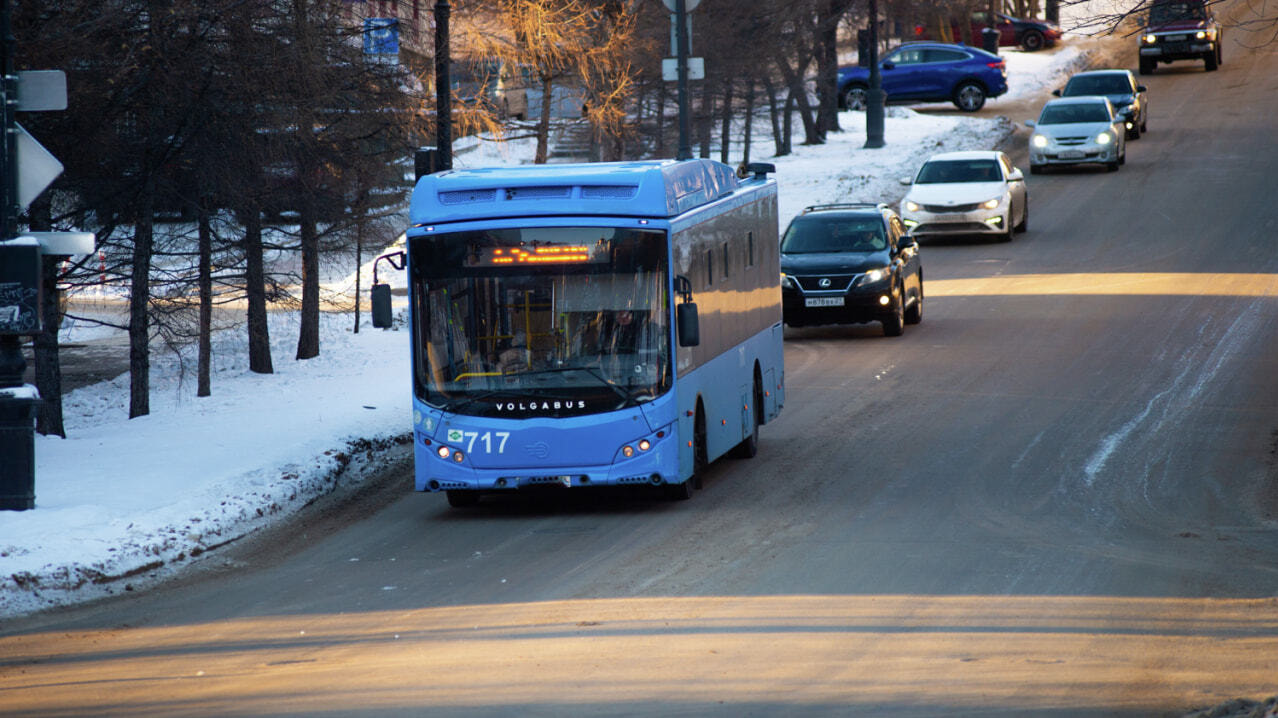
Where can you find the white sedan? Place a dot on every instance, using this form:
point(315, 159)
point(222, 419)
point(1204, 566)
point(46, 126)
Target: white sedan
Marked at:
point(1078, 130)
point(976, 192)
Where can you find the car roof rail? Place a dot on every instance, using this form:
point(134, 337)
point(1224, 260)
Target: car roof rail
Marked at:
point(846, 205)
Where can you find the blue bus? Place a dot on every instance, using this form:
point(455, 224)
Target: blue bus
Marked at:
point(590, 325)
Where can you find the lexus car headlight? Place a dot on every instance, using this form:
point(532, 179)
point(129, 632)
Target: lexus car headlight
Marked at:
point(1039, 140)
point(786, 281)
point(911, 206)
point(1104, 138)
point(875, 275)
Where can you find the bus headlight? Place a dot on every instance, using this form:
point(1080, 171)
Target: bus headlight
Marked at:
point(443, 451)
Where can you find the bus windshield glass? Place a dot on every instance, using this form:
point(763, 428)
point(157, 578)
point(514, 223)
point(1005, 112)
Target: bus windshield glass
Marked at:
point(546, 321)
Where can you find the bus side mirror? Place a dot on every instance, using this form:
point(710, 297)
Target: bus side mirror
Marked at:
point(381, 295)
point(689, 327)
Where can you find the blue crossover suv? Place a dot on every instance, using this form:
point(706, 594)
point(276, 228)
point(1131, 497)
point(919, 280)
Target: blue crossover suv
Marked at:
point(929, 72)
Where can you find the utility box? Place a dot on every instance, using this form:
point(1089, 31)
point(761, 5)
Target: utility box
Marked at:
point(20, 287)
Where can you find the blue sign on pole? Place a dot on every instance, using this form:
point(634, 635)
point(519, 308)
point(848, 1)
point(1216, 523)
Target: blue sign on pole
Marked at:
point(381, 36)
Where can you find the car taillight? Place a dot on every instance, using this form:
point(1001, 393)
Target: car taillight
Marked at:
point(997, 65)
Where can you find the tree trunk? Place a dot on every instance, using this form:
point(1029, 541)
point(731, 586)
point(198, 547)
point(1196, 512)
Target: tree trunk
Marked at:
point(749, 121)
point(779, 139)
point(139, 299)
point(308, 336)
point(704, 119)
point(259, 334)
point(359, 266)
point(725, 129)
point(543, 121)
point(827, 57)
point(48, 366)
point(799, 96)
point(205, 279)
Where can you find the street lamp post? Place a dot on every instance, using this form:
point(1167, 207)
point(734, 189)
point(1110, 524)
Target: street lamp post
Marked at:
point(874, 98)
point(682, 52)
point(443, 89)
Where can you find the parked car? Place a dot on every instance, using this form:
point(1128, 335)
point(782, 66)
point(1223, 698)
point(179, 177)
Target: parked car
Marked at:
point(1180, 30)
point(1028, 33)
point(1078, 130)
point(929, 72)
point(849, 264)
point(1121, 88)
point(975, 192)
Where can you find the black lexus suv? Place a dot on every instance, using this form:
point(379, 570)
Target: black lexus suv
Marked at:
point(849, 264)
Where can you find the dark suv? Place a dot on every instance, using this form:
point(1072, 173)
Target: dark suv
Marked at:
point(850, 264)
point(1180, 30)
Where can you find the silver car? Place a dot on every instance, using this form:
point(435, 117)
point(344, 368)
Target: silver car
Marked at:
point(976, 192)
point(1078, 130)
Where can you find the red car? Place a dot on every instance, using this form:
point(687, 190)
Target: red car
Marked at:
point(1180, 30)
point(1029, 34)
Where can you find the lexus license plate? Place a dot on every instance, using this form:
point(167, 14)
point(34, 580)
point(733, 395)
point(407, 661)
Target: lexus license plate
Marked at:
point(823, 302)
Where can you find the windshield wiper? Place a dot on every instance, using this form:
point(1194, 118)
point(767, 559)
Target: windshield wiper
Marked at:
point(621, 391)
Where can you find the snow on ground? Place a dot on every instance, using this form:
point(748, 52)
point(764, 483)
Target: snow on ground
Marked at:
point(122, 503)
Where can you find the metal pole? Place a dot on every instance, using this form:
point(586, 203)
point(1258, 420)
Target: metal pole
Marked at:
point(9, 213)
point(18, 401)
point(443, 88)
point(875, 98)
point(681, 38)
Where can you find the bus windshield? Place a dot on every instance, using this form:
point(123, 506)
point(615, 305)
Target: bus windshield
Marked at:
point(546, 321)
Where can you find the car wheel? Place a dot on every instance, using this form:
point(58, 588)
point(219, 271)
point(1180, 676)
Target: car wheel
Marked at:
point(855, 98)
point(460, 499)
point(1032, 40)
point(894, 324)
point(969, 96)
point(1122, 159)
point(1147, 66)
point(1112, 166)
point(1024, 223)
point(1210, 60)
point(914, 315)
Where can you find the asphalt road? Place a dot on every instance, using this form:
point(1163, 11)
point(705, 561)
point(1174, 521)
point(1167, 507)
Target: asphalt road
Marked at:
point(1056, 496)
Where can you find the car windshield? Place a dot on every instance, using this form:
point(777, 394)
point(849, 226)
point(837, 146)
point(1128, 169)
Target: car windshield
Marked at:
point(1173, 11)
point(1098, 85)
point(944, 171)
point(817, 234)
point(1071, 113)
